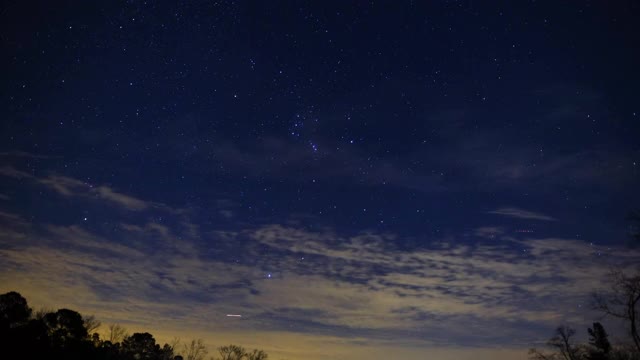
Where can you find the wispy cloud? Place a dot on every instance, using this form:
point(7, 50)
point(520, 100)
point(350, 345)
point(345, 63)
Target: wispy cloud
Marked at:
point(521, 214)
point(72, 187)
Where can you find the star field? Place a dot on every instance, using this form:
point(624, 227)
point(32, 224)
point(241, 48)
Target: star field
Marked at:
point(447, 179)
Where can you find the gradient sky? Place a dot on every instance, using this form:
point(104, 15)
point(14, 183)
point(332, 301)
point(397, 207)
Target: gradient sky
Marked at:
point(358, 180)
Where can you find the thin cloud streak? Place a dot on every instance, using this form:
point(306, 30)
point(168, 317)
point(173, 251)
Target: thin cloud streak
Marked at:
point(521, 214)
point(71, 187)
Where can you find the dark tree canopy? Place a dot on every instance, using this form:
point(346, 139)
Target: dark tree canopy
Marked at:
point(599, 339)
point(65, 324)
point(66, 334)
point(13, 309)
point(141, 346)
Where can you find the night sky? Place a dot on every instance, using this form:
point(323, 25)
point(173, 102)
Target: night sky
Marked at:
point(357, 179)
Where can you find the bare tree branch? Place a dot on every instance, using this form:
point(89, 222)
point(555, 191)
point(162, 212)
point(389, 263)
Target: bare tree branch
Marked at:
point(91, 323)
point(117, 333)
point(194, 350)
point(622, 302)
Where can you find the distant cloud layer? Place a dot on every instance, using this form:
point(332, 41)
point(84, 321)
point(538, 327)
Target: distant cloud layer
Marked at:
point(290, 283)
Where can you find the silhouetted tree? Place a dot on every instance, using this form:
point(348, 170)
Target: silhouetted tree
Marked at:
point(195, 350)
point(166, 353)
point(65, 323)
point(68, 338)
point(231, 352)
point(140, 346)
point(20, 335)
point(623, 302)
point(31, 341)
point(109, 350)
point(598, 339)
point(116, 333)
point(562, 343)
point(91, 323)
point(257, 355)
point(13, 310)
point(65, 334)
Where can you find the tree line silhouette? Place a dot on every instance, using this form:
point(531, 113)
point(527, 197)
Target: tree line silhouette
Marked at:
point(66, 334)
point(622, 302)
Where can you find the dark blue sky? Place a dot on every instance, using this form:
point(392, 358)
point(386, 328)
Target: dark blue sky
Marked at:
point(346, 146)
